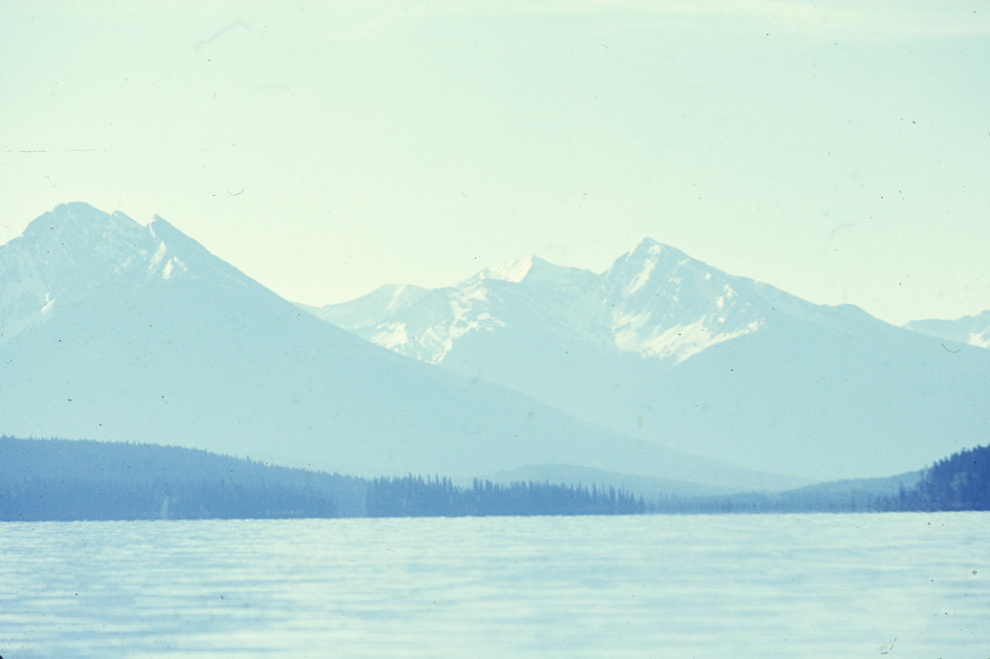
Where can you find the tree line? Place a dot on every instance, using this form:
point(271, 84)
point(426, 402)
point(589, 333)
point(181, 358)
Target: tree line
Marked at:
point(63, 480)
point(86, 480)
point(412, 496)
point(959, 482)
point(56, 479)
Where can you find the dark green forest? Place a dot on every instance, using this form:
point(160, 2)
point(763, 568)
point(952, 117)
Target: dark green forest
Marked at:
point(959, 482)
point(412, 496)
point(67, 480)
point(86, 480)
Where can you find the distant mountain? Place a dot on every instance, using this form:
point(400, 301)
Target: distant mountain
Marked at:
point(667, 348)
point(654, 302)
point(111, 330)
point(845, 496)
point(971, 330)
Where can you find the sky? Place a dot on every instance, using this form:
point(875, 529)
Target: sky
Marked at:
point(838, 151)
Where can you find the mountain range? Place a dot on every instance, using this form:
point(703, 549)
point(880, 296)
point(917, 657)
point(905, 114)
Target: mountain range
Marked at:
point(666, 348)
point(660, 370)
point(971, 330)
point(111, 330)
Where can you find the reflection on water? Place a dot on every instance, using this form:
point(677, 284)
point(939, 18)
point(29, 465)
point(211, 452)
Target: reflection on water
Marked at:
point(646, 586)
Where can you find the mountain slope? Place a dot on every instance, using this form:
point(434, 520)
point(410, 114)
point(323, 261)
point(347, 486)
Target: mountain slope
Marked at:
point(971, 330)
point(75, 480)
point(664, 347)
point(114, 331)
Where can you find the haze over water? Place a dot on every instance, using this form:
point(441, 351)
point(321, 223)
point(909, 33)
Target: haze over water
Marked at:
point(653, 586)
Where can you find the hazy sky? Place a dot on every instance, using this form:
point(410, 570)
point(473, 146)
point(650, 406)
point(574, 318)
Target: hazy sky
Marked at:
point(839, 152)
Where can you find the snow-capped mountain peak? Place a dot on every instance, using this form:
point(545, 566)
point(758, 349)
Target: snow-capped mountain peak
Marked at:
point(664, 304)
point(58, 237)
point(650, 260)
point(663, 345)
point(114, 330)
point(655, 301)
point(427, 325)
point(513, 271)
point(57, 257)
point(63, 256)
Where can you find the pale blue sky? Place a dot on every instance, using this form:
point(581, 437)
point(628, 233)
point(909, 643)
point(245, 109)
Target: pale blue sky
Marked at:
point(837, 152)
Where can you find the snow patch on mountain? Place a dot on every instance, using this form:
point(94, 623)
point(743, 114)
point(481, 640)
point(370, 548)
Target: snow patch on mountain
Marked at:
point(391, 336)
point(116, 331)
point(43, 264)
point(467, 313)
point(668, 348)
point(639, 281)
point(678, 342)
point(159, 255)
point(667, 306)
point(513, 271)
point(980, 339)
point(972, 330)
point(654, 301)
point(398, 298)
point(174, 264)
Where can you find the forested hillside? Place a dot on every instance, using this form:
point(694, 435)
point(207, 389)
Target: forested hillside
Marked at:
point(86, 480)
point(72, 480)
point(959, 482)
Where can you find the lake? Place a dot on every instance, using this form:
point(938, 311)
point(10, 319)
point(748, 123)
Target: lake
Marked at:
point(856, 585)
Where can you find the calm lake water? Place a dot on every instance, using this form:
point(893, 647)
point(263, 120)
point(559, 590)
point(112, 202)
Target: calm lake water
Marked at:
point(909, 585)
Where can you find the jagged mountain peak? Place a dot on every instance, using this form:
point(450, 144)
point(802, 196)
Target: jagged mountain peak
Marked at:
point(649, 246)
point(533, 271)
point(76, 224)
point(663, 345)
point(513, 271)
point(654, 300)
point(658, 257)
point(66, 255)
point(59, 257)
point(116, 344)
point(78, 243)
point(179, 249)
point(652, 261)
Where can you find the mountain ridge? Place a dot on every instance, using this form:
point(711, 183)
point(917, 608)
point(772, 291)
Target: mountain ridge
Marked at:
point(969, 330)
point(660, 345)
point(202, 356)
